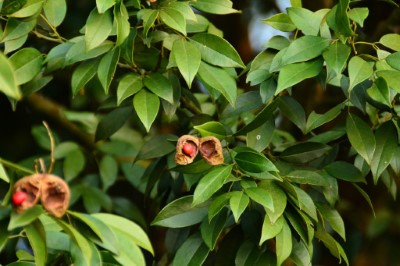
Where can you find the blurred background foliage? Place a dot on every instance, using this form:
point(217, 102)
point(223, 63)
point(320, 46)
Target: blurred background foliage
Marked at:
point(370, 240)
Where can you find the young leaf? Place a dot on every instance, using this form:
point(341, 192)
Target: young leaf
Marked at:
point(98, 28)
point(391, 40)
point(336, 56)
point(146, 105)
point(8, 83)
point(359, 70)
point(269, 229)
point(280, 21)
point(121, 19)
point(361, 137)
point(129, 85)
point(104, 5)
point(261, 196)
point(305, 20)
point(358, 14)
point(27, 63)
point(160, 86)
point(238, 203)
point(283, 243)
point(212, 128)
point(55, 11)
point(173, 19)
point(279, 199)
point(316, 120)
point(187, 58)
point(107, 67)
point(211, 183)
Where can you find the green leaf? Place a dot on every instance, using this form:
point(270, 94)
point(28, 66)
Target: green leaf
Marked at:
point(361, 137)
point(55, 11)
point(345, 171)
point(358, 14)
point(336, 56)
point(334, 247)
point(121, 18)
point(211, 183)
point(16, 28)
point(82, 75)
point(3, 174)
point(294, 73)
point(394, 60)
point(77, 52)
point(212, 128)
point(94, 199)
point(31, 8)
point(311, 177)
point(218, 203)
point(305, 20)
point(300, 254)
point(37, 239)
point(269, 229)
point(112, 122)
point(254, 162)
point(108, 167)
point(129, 85)
point(221, 7)
point(27, 63)
point(238, 203)
point(148, 16)
point(107, 67)
point(293, 110)
point(283, 243)
point(103, 5)
point(74, 163)
point(180, 213)
point(146, 105)
point(259, 68)
point(210, 231)
point(8, 80)
point(98, 28)
point(359, 70)
point(128, 228)
point(192, 252)
point(391, 40)
point(25, 218)
point(338, 20)
point(305, 202)
point(261, 196)
point(366, 197)
point(333, 217)
point(157, 146)
point(392, 78)
point(280, 21)
point(216, 50)
point(316, 120)
point(218, 79)
point(279, 199)
point(173, 19)
point(386, 146)
point(160, 86)
point(260, 138)
point(187, 58)
point(304, 152)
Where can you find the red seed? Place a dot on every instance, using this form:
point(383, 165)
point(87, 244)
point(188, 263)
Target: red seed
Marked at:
point(18, 198)
point(188, 148)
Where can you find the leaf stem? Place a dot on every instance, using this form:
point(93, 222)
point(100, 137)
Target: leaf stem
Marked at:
point(16, 166)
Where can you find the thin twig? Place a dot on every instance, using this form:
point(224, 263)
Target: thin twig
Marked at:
point(51, 147)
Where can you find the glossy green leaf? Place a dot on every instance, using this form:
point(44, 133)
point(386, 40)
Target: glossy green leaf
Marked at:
point(392, 78)
point(15, 44)
point(245, 102)
point(300, 254)
point(293, 110)
point(218, 204)
point(279, 199)
point(112, 122)
point(108, 167)
point(3, 174)
point(394, 60)
point(8, 79)
point(334, 247)
point(25, 218)
point(334, 219)
point(304, 152)
point(211, 230)
point(180, 213)
point(212, 128)
point(27, 63)
point(380, 92)
point(187, 58)
point(160, 86)
point(103, 5)
point(185, 9)
point(386, 146)
point(280, 21)
point(37, 239)
point(146, 105)
point(344, 171)
point(260, 138)
point(338, 20)
point(55, 11)
point(283, 243)
point(74, 163)
point(305, 20)
point(216, 50)
point(336, 56)
point(82, 75)
point(316, 120)
point(254, 162)
point(311, 177)
point(173, 19)
point(77, 52)
point(391, 40)
point(259, 68)
point(31, 8)
point(238, 203)
point(294, 73)
point(192, 252)
point(211, 183)
point(128, 228)
point(107, 67)
point(98, 28)
point(358, 14)
point(121, 18)
point(148, 16)
point(218, 79)
point(301, 224)
point(261, 196)
point(128, 86)
point(221, 7)
point(366, 197)
point(361, 137)
point(270, 230)
point(16, 28)
point(359, 70)
point(277, 42)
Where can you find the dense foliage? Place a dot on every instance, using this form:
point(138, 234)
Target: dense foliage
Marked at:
point(157, 70)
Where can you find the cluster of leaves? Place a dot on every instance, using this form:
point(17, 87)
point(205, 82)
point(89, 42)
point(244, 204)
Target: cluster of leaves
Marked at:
point(161, 60)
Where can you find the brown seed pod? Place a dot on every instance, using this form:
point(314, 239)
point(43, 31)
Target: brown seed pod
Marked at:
point(31, 186)
point(55, 195)
point(211, 150)
point(187, 148)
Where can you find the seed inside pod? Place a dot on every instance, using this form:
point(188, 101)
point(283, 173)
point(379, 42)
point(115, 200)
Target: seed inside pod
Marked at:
point(187, 148)
point(211, 150)
point(30, 185)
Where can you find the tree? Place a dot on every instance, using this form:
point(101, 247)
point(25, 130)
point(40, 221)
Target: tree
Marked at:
point(165, 159)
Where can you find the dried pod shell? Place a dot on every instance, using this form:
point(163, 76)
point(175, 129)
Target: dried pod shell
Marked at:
point(55, 195)
point(31, 185)
point(183, 157)
point(211, 150)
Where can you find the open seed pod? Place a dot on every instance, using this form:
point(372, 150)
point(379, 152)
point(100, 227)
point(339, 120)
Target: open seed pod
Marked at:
point(186, 149)
point(211, 150)
point(32, 187)
point(55, 195)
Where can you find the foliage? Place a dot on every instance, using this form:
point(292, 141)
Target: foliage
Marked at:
point(160, 64)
